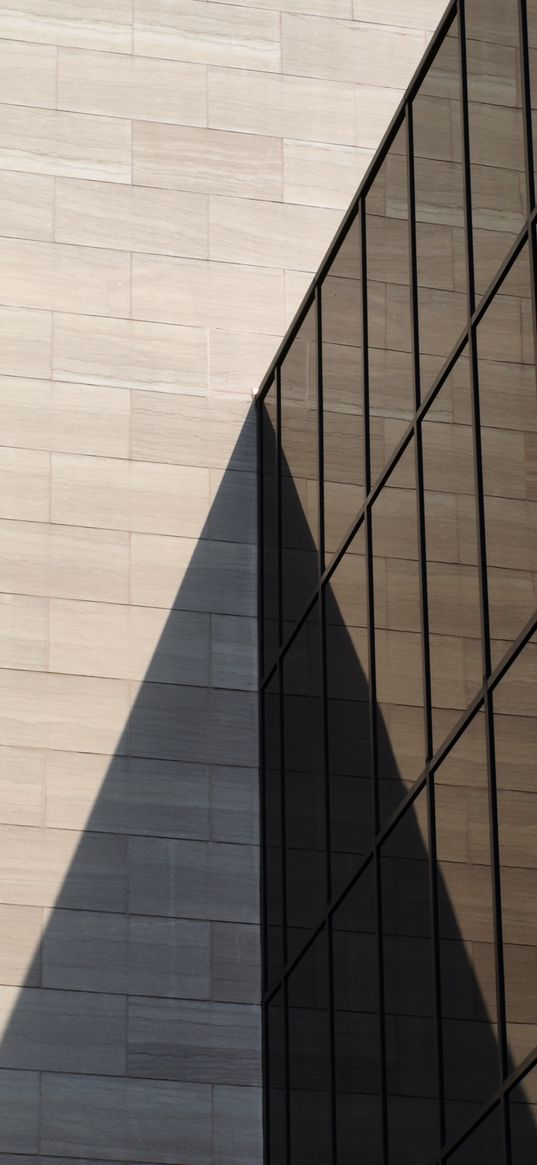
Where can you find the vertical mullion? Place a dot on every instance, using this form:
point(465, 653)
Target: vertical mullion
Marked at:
point(424, 615)
point(262, 782)
point(529, 155)
point(483, 593)
point(324, 719)
point(370, 598)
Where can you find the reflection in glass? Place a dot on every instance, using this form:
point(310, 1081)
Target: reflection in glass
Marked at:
point(451, 537)
point(356, 1025)
point(270, 527)
point(410, 1037)
point(305, 817)
point(439, 186)
point(276, 1080)
point(273, 850)
point(523, 1120)
point(309, 1057)
point(466, 931)
point(484, 1146)
point(397, 634)
point(347, 682)
point(509, 436)
point(515, 726)
point(342, 391)
point(391, 388)
point(300, 472)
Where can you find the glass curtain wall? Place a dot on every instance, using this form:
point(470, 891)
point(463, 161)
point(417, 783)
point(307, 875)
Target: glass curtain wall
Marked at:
point(398, 576)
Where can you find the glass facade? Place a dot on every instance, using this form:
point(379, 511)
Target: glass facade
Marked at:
point(398, 564)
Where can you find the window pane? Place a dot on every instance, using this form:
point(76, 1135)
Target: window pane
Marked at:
point(309, 1057)
point(342, 391)
point(496, 132)
point(305, 818)
point(509, 438)
point(523, 1120)
point(391, 391)
point(276, 1080)
point(300, 472)
point(273, 855)
point(464, 887)
point(439, 186)
point(410, 1042)
point(270, 528)
point(484, 1146)
point(451, 538)
point(347, 676)
point(515, 722)
point(398, 634)
point(356, 1025)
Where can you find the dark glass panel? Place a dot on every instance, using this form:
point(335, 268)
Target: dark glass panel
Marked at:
point(356, 1025)
point(300, 472)
point(270, 527)
point(515, 723)
point(398, 634)
point(484, 1146)
point(342, 391)
point(391, 390)
point(496, 132)
point(523, 1120)
point(305, 817)
point(410, 1037)
point(309, 1058)
point(273, 853)
point(466, 931)
point(347, 677)
point(276, 1081)
point(508, 405)
point(439, 184)
point(531, 8)
point(451, 538)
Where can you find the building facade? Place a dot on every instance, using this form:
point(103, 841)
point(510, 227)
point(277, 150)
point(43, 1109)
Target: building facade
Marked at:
point(398, 566)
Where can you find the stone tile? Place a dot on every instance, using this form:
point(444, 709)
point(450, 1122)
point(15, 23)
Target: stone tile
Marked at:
point(131, 218)
point(19, 1111)
point(193, 575)
point(25, 475)
point(140, 495)
point(216, 1043)
point(169, 957)
point(207, 160)
point(27, 74)
point(237, 1126)
point(71, 1030)
point(341, 50)
point(64, 560)
point(341, 8)
point(234, 804)
point(25, 342)
point(419, 14)
point(127, 795)
point(55, 277)
point(217, 295)
point(21, 785)
point(194, 879)
point(87, 23)
point(129, 642)
point(132, 86)
point(57, 866)
point(320, 174)
point(297, 107)
point(27, 205)
point(24, 632)
point(238, 361)
point(67, 418)
point(235, 962)
point(232, 516)
point(374, 107)
point(269, 233)
point(204, 725)
point(20, 959)
point(84, 950)
point(50, 141)
point(234, 652)
point(189, 431)
point(130, 354)
point(221, 34)
point(43, 710)
point(128, 1120)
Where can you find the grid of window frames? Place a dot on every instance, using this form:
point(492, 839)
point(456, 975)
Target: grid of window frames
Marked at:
point(398, 568)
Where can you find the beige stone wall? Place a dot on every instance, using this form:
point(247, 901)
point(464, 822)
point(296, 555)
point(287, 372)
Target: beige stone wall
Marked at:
point(171, 172)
